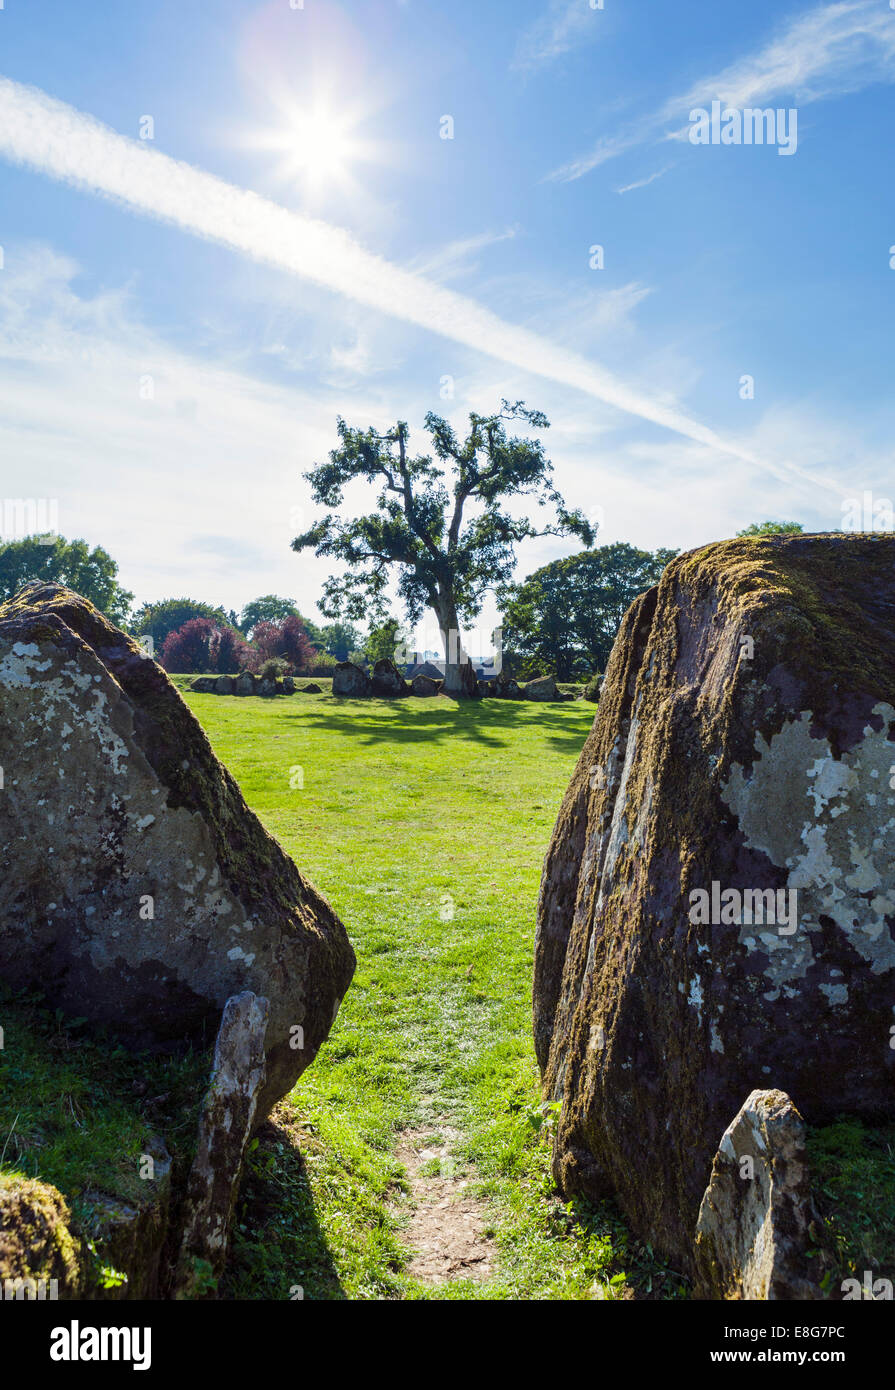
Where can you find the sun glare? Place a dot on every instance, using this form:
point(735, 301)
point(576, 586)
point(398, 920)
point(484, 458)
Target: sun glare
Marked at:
point(319, 147)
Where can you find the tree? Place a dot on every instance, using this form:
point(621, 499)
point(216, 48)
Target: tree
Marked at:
point(270, 608)
point(201, 645)
point(338, 639)
point(287, 640)
point(444, 560)
point(91, 573)
point(565, 616)
point(156, 620)
point(381, 642)
point(772, 528)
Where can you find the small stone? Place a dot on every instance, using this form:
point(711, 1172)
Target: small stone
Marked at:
point(752, 1234)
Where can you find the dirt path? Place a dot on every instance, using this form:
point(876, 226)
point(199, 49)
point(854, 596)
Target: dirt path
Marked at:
point(449, 1232)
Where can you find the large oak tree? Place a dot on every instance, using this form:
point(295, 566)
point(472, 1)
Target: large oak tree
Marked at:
point(439, 522)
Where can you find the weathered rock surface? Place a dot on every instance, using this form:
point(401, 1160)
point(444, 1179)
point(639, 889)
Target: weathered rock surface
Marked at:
point(204, 685)
point(225, 685)
point(225, 1126)
point(387, 681)
point(505, 688)
point(752, 1232)
point(424, 686)
point(245, 683)
point(349, 680)
point(744, 741)
point(542, 688)
point(138, 888)
point(288, 686)
point(312, 689)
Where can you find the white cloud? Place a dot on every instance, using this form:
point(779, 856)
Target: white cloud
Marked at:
point(644, 183)
point(564, 25)
point(58, 140)
point(827, 52)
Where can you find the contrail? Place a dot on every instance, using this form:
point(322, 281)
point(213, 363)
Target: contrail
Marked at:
point(59, 140)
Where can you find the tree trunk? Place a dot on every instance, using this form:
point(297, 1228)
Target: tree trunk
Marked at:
point(459, 674)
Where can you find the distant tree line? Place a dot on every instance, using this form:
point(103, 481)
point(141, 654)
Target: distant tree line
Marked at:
point(562, 619)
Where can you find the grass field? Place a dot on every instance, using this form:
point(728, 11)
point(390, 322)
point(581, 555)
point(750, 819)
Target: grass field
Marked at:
point(425, 823)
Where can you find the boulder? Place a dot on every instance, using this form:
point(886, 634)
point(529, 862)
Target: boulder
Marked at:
point(266, 685)
point(718, 898)
point(543, 688)
point(424, 685)
point(485, 689)
point(505, 688)
point(312, 689)
point(140, 891)
point(225, 685)
point(204, 685)
point(288, 685)
point(387, 680)
point(752, 1237)
point(245, 683)
point(349, 680)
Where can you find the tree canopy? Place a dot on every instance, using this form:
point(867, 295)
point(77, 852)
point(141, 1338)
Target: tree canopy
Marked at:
point(270, 608)
point(156, 620)
point(772, 528)
point(565, 616)
point(91, 573)
point(439, 524)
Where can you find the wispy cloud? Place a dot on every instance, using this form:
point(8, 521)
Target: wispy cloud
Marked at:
point(644, 183)
point(826, 52)
point(564, 25)
point(55, 138)
point(457, 257)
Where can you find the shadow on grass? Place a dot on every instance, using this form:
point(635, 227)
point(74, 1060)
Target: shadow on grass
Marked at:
point(278, 1249)
point(386, 721)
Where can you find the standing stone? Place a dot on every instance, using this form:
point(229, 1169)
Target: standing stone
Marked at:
point(245, 683)
point(424, 686)
point(718, 899)
point(543, 688)
point(312, 689)
point(204, 685)
point(752, 1234)
point(288, 685)
point(140, 891)
point(505, 688)
point(387, 680)
point(349, 680)
point(225, 1126)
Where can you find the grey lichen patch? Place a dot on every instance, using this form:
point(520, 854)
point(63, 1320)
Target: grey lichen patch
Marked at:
point(830, 822)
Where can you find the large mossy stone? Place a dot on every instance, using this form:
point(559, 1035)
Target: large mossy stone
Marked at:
point(349, 680)
point(744, 740)
point(140, 891)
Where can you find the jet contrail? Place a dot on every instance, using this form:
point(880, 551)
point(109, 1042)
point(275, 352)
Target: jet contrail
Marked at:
point(59, 140)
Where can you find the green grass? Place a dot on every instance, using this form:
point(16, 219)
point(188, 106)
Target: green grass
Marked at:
point(80, 1111)
point(425, 823)
point(853, 1180)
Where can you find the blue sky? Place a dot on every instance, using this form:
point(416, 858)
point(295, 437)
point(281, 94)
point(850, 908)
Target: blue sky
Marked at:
point(379, 258)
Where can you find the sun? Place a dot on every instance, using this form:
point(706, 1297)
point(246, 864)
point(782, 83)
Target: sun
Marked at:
point(318, 147)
